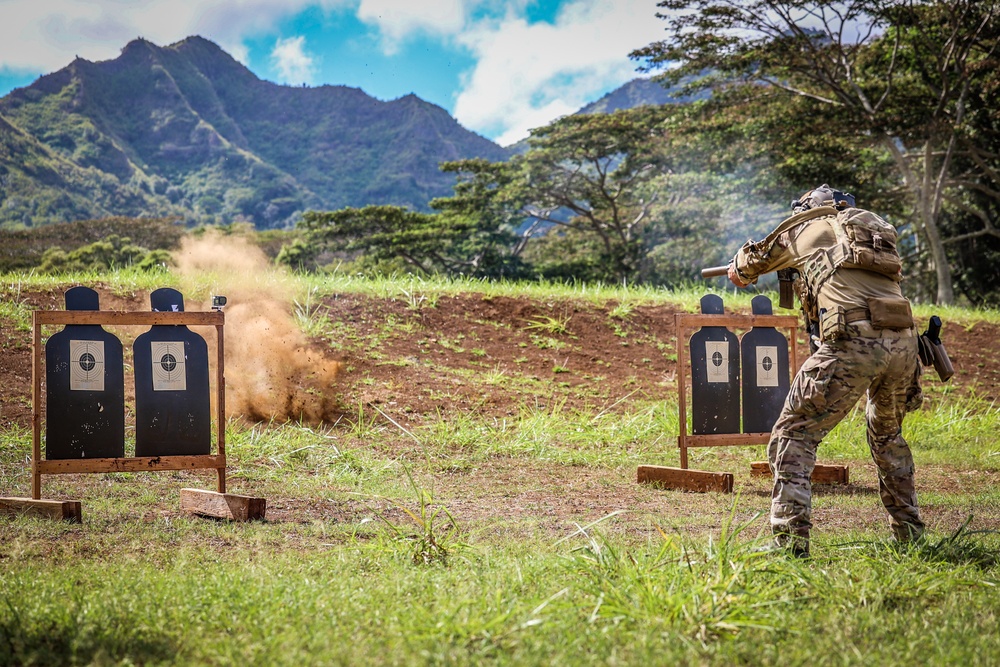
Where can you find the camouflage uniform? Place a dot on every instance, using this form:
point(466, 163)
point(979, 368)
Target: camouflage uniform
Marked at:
point(881, 363)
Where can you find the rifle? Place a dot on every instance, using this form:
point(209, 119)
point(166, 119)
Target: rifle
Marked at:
point(786, 297)
point(786, 294)
point(932, 351)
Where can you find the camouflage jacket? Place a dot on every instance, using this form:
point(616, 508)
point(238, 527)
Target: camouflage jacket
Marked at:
point(799, 241)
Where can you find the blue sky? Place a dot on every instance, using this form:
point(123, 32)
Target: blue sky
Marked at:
point(500, 67)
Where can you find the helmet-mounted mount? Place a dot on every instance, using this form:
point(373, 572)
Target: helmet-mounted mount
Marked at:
point(824, 195)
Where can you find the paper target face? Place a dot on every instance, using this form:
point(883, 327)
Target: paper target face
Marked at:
point(86, 368)
point(767, 365)
point(717, 359)
point(168, 366)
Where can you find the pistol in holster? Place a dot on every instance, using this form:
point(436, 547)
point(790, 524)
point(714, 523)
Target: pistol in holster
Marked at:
point(932, 352)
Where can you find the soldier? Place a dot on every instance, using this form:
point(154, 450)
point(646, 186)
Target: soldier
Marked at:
point(847, 272)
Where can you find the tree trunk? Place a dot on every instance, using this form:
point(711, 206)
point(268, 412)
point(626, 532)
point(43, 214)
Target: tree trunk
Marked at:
point(942, 267)
point(927, 217)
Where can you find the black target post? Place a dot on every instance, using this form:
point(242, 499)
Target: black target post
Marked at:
point(691, 397)
point(85, 387)
point(715, 375)
point(172, 404)
point(764, 356)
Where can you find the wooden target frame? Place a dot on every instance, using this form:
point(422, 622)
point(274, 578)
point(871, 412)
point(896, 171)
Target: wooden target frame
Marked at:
point(684, 478)
point(40, 466)
point(685, 324)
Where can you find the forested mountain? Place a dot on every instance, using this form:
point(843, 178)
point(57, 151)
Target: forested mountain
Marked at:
point(187, 130)
point(641, 92)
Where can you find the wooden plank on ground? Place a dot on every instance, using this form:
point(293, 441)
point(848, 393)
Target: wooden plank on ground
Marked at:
point(822, 473)
point(222, 505)
point(683, 479)
point(60, 510)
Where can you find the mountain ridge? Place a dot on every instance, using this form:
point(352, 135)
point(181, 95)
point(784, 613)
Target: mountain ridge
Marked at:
point(186, 130)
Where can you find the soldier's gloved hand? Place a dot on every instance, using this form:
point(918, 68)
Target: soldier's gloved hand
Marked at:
point(734, 276)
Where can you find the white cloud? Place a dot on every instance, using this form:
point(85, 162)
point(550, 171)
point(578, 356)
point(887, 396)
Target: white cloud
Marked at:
point(292, 62)
point(42, 36)
point(529, 74)
point(398, 19)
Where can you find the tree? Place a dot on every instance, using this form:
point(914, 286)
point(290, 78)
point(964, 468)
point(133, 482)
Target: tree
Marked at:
point(899, 74)
point(113, 252)
point(591, 175)
point(426, 242)
point(594, 173)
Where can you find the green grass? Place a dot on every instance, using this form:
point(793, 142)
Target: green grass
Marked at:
point(478, 538)
point(588, 599)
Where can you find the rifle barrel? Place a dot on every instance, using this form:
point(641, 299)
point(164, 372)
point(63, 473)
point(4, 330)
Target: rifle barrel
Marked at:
point(714, 271)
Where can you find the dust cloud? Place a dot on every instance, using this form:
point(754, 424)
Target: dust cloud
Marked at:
point(272, 370)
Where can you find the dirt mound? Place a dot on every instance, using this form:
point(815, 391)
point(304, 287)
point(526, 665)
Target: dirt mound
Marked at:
point(494, 356)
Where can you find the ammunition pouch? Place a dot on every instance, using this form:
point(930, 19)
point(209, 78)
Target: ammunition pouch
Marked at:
point(890, 313)
point(786, 288)
point(833, 324)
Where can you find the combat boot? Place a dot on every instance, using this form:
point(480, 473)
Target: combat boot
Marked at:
point(788, 545)
point(908, 533)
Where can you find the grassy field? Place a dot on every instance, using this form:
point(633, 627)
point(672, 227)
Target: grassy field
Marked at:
point(466, 536)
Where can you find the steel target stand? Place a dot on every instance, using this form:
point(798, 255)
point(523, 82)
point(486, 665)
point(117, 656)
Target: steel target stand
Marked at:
point(218, 504)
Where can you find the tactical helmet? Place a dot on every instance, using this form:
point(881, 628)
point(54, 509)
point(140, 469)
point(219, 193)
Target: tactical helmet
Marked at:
point(824, 195)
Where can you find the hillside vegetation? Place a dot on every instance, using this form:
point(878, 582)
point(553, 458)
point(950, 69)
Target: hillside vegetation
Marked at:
point(187, 130)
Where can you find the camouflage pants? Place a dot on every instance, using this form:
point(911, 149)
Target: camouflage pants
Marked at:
point(881, 363)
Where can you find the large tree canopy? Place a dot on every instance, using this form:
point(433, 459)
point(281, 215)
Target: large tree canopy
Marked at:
point(587, 191)
point(902, 76)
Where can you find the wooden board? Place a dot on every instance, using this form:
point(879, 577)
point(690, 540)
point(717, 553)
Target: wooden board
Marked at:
point(682, 479)
point(117, 318)
point(132, 464)
point(822, 474)
point(222, 505)
point(60, 510)
point(726, 439)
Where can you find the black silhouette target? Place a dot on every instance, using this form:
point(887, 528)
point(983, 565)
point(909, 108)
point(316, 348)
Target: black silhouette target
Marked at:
point(764, 354)
point(85, 388)
point(172, 404)
point(715, 376)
